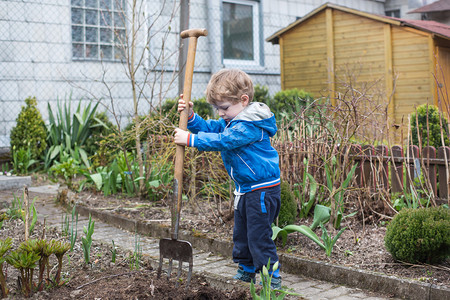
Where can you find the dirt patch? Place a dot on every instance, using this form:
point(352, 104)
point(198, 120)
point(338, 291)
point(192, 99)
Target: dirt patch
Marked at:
point(360, 246)
point(103, 279)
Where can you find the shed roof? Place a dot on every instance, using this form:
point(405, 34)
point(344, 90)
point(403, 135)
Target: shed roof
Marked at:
point(433, 27)
point(441, 5)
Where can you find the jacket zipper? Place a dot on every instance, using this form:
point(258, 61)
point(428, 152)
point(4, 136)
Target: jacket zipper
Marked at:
point(238, 188)
point(246, 164)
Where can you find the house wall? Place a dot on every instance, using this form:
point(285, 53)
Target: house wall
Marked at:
point(443, 76)
point(413, 68)
point(304, 56)
point(357, 53)
point(406, 6)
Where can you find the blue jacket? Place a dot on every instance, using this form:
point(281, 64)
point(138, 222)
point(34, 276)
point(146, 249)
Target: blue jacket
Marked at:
point(244, 142)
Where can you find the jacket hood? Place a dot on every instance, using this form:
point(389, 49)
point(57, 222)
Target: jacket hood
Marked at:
point(260, 115)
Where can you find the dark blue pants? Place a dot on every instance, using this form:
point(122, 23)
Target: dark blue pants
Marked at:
point(252, 233)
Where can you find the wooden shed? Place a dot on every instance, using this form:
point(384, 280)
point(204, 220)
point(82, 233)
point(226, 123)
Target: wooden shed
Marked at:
point(404, 55)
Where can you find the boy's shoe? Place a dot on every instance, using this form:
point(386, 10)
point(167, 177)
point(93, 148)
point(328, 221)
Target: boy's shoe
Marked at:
point(244, 276)
point(275, 283)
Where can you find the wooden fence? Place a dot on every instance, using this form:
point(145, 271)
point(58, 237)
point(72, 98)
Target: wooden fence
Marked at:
point(377, 167)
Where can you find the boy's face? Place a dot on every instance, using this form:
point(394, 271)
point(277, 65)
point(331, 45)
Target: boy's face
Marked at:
point(228, 110)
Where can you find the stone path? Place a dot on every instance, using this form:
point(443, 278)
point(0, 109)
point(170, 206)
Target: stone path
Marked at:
point(211, 266)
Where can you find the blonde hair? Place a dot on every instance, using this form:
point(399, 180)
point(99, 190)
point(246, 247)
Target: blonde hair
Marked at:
point(229, 85)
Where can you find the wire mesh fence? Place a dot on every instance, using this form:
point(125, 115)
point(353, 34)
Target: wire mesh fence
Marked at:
point(125, 53)
point(124, 56)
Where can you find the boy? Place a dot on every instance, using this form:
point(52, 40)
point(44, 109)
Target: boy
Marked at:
point(242, 134)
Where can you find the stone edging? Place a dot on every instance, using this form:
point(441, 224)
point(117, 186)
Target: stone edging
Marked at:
point(365, 280)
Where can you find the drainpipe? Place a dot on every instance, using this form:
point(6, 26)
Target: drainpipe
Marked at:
point(214, 22)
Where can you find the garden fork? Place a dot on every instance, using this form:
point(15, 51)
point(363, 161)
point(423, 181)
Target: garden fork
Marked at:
point(175, 249)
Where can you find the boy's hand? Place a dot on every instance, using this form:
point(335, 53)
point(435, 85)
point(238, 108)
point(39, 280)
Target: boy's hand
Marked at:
point(180, 137)
point(182, 105)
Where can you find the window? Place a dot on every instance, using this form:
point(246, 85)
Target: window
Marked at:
point(98, 29)
point(241, 32)
point(393, 13)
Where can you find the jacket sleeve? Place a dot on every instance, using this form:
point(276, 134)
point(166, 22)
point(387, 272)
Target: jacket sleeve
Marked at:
point(242, 133)
point(197, 124)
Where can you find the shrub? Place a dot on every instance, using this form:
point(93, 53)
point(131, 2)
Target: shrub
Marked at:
point(101, 128)
point(433, 132)
point(201, 107)
point(261, 94)
point(419, 235)
point(288, 209)
point(290, 101)
point(30, 131)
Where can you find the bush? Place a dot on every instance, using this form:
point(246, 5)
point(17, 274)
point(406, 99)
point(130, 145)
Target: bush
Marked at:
point(419, 235)
point(201, 107)
point(30, 130)
point(288, 209)
point(101, 128)
point(433, 134)
point(261, 94)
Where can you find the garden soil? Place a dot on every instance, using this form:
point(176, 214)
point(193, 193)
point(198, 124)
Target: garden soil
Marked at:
point(102, 279)
point(360, 246)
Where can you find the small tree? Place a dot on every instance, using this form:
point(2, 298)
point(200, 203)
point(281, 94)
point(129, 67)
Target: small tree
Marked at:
point(30, 130)
point(426, 126)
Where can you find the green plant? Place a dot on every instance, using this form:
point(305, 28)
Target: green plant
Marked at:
point(337, 189)
point(427, 123)
point(160, 177)
point(413, 197)
point(113, 252)
point(15, 211)
point(327, 242)
point(33, 214)
point(60, 248)
point(419, 235)
point(29, 132)
point(5, 246)
point(288, 208)
point(135, 259)
point(101, 127)
point(87, 241)
point(24, 260)
point(67, 169)
point(21, 160)
point(306, 191)
point(261, 94)
point(267, 292)
point(65, 224)
point(73, 232)
point(68, 133)
point(126, 179)
point(287, 104)
point(322, 215)
point(406, 200)
point(203, 108)
point(44, 249)
point(104, 178)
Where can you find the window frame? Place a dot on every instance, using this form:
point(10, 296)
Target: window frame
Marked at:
point(392, 12)
point(256, 61)
point(113, 43)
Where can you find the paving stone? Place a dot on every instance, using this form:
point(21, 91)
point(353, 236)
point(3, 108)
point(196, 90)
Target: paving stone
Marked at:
point(311, 291)
point(349, 297)
point(334, 292)
point(304, 284)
